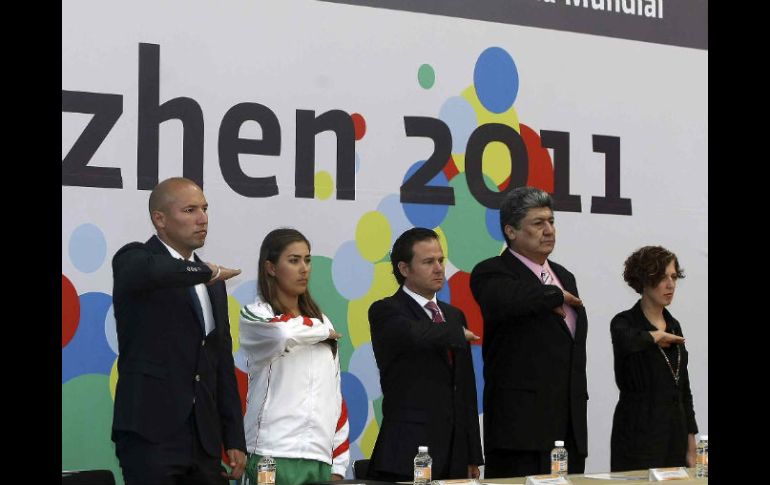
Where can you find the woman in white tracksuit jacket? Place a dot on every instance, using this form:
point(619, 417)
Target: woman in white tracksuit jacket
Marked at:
point(294, 412)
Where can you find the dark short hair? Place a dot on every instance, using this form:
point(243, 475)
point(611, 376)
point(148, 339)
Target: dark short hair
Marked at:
point(403, 248)
point(646, 267)
point(517, 203)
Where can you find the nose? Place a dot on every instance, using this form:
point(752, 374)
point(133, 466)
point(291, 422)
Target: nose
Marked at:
point(203, 217)
point(550, 228)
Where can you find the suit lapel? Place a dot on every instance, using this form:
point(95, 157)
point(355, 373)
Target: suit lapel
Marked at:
point(580, 321)
point(513, 263)
point(212, 299)
point(156, 246)
point(421, 314)
point(413, 306)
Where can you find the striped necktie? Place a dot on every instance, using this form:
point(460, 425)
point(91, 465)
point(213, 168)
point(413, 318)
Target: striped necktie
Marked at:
point(545, 275)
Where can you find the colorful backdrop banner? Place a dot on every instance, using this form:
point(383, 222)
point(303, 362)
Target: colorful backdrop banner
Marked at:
point(352, 125)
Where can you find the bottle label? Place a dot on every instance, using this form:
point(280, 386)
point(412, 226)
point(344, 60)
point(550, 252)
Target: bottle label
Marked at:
point(558, 466)
point(266, 477)
point(422, 473)
point(702, 459)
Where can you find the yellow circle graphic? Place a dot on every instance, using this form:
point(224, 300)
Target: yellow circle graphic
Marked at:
point(373, 236)
point(324, 185)
point(383, 284)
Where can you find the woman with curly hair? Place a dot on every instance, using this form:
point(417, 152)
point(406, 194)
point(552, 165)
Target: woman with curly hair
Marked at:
point(654, 423)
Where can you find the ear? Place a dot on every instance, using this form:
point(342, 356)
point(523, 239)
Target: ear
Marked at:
point(510, 232)
point(270, 268)
point(159, 219)
point(403, 268)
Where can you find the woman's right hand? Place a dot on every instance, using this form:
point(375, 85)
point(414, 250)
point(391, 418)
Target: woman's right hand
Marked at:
point(665, 339)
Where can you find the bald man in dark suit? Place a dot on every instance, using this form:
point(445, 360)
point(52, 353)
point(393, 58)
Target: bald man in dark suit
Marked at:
point(176, 401)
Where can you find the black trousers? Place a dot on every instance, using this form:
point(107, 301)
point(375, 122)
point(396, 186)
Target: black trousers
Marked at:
point(180, 460)
point(519, 463)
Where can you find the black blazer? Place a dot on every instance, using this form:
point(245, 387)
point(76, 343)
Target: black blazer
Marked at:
point(654, 415)
point(167, 368)
point(426, 400)
point(534, 371)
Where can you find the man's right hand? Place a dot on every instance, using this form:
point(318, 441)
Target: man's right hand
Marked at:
point(223, 273)
point(571, 299)
point(470, 336)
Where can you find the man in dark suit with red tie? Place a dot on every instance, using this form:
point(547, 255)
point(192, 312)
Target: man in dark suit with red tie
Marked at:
point(534, 345)
point(426, 372)
point(176, 401)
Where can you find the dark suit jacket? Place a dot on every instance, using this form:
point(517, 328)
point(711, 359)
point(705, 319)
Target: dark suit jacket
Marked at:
point(426, 400)
point(167, 368)
point(534, 371)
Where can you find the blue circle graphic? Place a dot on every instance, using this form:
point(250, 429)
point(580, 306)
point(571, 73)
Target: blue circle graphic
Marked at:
point(354, 394)
point(89, 352)
point(352, 274)
point(363, 365)
point(459, 116)
point(87, 248)
point(493, 224)
point(496, 79)
point(391, 207)
point(111, 329)
point(478, 370)
point(240, 359)
point(444, 293)
point(426, 215)
point(246, 293)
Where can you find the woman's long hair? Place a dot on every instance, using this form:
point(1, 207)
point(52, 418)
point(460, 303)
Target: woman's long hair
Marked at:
point(273, 245)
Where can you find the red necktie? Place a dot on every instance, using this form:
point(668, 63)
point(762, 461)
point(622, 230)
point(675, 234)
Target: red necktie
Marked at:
point(439, 318)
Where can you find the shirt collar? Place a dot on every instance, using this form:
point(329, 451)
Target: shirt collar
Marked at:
point(174, 252)
point(533, 266)
point(421, 300)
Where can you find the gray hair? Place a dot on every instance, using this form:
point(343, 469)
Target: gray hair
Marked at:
point(517, 203)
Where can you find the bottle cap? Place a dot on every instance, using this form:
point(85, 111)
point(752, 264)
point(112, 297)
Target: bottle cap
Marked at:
point(558, 443)
point(422, 449)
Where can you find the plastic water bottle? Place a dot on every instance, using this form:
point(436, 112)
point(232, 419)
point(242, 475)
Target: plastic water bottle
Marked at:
point(559, 459)
point(423, 465)
point(266, 471)
point(702, 457)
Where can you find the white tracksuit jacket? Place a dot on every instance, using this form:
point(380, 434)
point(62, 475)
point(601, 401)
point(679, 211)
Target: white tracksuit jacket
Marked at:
point(294, 406)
